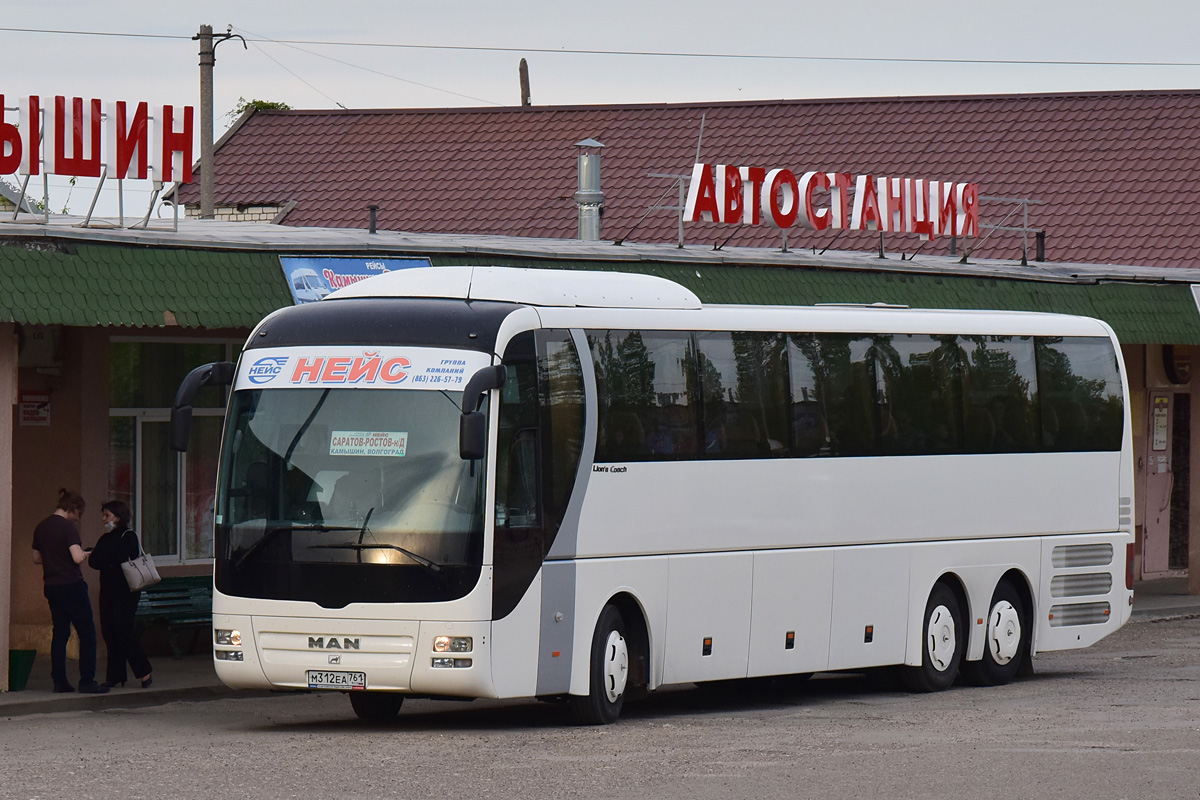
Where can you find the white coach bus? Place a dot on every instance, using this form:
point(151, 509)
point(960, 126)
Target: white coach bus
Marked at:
point(496, 482)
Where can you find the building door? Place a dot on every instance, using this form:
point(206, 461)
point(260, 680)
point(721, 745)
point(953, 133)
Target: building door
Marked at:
point(1164, 537)
point(169, 493)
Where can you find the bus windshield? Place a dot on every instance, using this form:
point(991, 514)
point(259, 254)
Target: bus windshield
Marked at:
point(340, 496)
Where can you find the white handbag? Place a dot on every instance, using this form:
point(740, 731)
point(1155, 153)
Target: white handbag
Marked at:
point(140, 571)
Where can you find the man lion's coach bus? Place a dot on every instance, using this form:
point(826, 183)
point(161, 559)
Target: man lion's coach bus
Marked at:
point(495, 482)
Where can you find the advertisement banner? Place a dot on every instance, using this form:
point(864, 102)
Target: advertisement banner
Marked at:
point(357, 367)
point(312, 278)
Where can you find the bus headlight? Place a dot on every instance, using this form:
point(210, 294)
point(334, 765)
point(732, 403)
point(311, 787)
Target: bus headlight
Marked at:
point(452, 644)
point(228, 655)
point(233, 638)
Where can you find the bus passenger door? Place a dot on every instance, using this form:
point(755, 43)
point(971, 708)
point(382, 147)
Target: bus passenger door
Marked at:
point(538, 450)
point(537, 457)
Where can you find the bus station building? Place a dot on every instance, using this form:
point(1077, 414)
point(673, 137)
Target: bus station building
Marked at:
point(1081, 201)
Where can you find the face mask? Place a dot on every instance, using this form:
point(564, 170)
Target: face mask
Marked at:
point(108, 526)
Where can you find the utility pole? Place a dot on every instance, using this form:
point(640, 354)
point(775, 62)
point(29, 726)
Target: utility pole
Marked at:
point(208, 57)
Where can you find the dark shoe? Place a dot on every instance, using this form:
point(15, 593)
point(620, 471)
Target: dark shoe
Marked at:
point(92, 687)
point(146, 681)
point(63, 688)
point(113, 684)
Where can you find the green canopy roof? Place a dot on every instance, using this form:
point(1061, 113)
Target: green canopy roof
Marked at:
point(1140, 313)
point(68, 283)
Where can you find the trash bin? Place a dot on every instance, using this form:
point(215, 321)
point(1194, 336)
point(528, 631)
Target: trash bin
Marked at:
point(20, 665)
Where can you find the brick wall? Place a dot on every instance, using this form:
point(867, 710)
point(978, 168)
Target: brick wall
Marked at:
point(236, 213)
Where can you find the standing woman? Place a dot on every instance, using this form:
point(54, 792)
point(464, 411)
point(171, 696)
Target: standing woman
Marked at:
point(117, 603)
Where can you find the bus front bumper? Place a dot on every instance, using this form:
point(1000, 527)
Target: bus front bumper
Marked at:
point(299, 653)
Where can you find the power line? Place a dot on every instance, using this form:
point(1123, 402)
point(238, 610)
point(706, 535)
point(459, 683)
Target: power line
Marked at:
point(642, 53)
point(95, 33)
point(259, 39)
point(355, 66)
point(750, 56)
point(280, 64)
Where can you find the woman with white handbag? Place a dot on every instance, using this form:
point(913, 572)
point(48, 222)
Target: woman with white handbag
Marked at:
point(119, 545)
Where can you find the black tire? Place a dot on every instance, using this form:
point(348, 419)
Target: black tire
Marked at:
point(942, 642)
point(376, 706)
point(608, 672)
point(1006, 647)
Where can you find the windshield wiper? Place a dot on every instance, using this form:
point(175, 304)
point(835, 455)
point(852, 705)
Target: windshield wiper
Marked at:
point(428, 563)
point(287, 457)
point(271, 532)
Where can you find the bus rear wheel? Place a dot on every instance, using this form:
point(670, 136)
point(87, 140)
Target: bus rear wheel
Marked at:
point(609, 672)
point(942, 643)
point(376, 706)
point(1007, 643)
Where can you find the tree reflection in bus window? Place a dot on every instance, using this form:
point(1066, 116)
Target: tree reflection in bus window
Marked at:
point(918, 381)
point(743, 376)
point(754, 395)
point(1080, 394)
point(1000, 411)
point(648, 391)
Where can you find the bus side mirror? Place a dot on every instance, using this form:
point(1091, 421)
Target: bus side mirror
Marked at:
point(472, 436)
point(219, 373)
point(472, 426)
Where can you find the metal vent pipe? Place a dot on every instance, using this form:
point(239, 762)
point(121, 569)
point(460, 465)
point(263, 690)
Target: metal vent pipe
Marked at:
point(589, 199)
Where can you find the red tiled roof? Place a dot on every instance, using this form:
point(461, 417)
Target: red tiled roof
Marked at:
point(1113, 171)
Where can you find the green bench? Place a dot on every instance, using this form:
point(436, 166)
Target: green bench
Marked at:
point(177, 604)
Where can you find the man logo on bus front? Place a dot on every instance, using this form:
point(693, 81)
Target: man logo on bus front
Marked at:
point(332, 643)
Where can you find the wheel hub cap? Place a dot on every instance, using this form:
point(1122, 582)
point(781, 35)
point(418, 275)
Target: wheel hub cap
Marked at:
point(1004, 632)
point(942, 638)
point(616, 666)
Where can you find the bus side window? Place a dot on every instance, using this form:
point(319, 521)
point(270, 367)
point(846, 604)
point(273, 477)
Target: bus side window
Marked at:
point(1079, 389)
point(649, 405)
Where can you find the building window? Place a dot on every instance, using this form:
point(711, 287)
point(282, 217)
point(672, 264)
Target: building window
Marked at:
point(170, 494)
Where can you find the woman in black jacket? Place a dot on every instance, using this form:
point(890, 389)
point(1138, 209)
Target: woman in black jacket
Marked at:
point(117, 603)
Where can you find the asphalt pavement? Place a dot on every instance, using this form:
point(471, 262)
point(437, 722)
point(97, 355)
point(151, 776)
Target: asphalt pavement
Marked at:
point(192, 677)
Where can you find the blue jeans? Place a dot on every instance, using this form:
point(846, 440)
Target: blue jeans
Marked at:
point(70, 605)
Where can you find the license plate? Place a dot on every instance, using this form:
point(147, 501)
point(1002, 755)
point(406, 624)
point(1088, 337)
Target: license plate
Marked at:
point(321, 679)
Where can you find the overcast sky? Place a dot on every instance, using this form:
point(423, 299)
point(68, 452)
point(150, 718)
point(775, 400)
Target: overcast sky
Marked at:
point(805, 49)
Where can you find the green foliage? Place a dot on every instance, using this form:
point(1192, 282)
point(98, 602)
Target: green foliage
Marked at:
point(257, 105)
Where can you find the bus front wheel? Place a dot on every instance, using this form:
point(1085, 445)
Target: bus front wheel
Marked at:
point(376, 706)
point(1007, 644)
point(942, 643)
point(609, 672)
